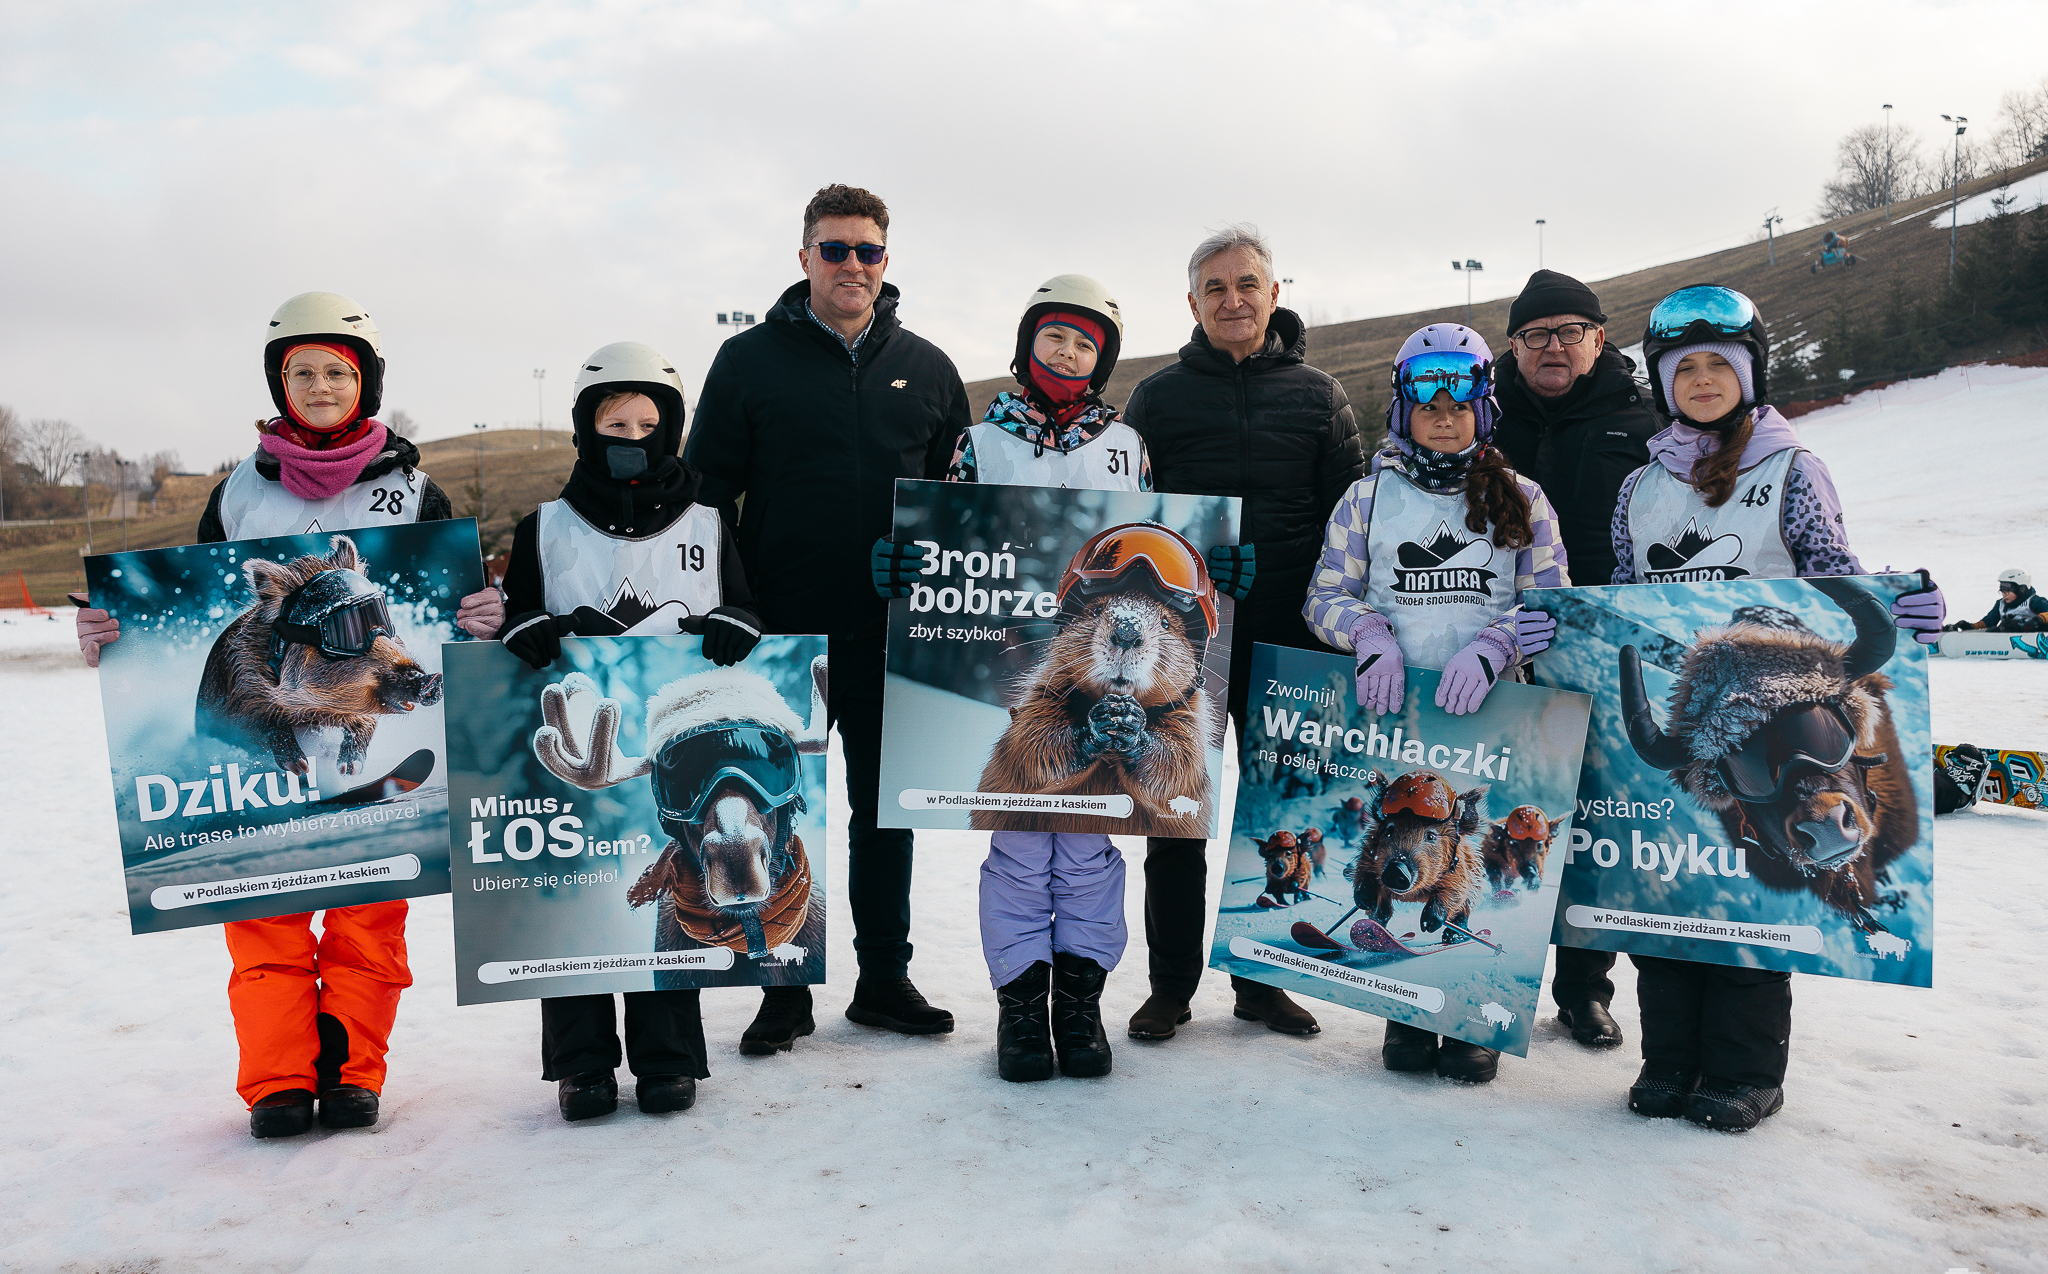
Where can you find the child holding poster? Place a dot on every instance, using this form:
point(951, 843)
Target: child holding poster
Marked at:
point(1425, 562)
point(627, 550)
point(1729, 494)
point(313, 1015)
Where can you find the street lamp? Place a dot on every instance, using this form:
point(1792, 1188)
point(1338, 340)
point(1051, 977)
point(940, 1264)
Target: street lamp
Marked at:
point(1539, 243)
point(735, 320)
point(1287, 297)
point(1887, 163)
point(540, 415)
point(1955, 177)
point(1470, 267)
point(85, 497)
point(1771, 222)
point(479, 431)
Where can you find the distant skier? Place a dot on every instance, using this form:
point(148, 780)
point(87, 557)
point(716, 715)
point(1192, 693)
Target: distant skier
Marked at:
point(2019, 609)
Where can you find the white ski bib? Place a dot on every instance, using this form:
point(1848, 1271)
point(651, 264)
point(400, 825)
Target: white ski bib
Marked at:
point(1677, 538)
point(1110, 461)
point(1437, 583)
point(649, 585)
point(253, 507)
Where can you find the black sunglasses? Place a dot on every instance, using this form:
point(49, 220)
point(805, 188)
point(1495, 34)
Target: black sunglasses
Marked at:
point(834, 252)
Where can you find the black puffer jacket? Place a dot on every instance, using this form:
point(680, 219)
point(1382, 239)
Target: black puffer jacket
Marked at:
point(1578, 447)
point(808, 442)
point(1272, 430)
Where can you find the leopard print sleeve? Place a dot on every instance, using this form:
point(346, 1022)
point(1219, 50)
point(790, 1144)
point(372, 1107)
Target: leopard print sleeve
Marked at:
point(1812, 521)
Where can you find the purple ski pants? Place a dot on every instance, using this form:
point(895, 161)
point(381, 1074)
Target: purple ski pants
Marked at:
point(1043, 892)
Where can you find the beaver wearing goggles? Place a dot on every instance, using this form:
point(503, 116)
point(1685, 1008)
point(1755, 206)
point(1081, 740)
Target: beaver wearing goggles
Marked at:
point(1788, 737)
point(1116, 706)
point(1421, 845)
point(317, 650)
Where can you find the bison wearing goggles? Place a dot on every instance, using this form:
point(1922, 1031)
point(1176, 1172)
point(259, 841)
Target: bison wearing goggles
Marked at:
point(1787, 736)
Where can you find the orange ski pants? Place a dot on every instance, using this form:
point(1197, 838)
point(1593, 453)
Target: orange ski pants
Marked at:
point(314, 1013)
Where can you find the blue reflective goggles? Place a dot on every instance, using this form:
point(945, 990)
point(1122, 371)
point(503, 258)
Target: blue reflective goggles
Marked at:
point(1467, 376)
point(1724, 310)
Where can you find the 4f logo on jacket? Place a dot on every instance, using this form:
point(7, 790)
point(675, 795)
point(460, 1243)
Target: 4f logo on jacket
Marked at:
point(1695, 555)
point(1449, 563)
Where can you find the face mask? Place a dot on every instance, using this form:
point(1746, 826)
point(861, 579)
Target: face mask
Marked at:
point(625, 462)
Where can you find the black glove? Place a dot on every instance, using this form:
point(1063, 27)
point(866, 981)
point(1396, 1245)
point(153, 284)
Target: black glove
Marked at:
point(535, 637)
point(1234, 567)
point(896, 566)
point(589, 621)
point(729, 635)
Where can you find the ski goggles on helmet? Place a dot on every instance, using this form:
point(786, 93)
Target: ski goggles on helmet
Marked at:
point(1466, 375)
point(689, 767)
point(1424, 796)
point(866, 253)
point(1179, 577)
point(1812, 738)
point(1722, 311)
point(340, 613)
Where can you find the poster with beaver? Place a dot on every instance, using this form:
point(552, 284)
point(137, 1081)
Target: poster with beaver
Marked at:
point(1062, 664)
point(273, 712)
point(636, 818)
point(1759, 778)
point(1401, 864)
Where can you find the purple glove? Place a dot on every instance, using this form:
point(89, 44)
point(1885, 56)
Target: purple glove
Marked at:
point(1921, 611)
point(1534, 630)
point(1381, 676)
point(1470, 674)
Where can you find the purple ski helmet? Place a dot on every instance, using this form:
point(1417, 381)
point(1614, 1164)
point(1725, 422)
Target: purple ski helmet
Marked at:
point(1443, 356)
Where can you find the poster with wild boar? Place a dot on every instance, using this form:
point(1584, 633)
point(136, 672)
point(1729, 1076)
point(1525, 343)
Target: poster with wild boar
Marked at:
point(1401, 863)
point(636, 818)
point(273, 712)
point(1759, 779)
point(1061, 665)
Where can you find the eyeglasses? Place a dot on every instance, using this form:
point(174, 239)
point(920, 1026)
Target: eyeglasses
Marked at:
point(834, 251)
point(332, 375)
point(1566, 334)
point(691, 766)
point(1723, 311)
point(1813, 738)
point(1467, 376)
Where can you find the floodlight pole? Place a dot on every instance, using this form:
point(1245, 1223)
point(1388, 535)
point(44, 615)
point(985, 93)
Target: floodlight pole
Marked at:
point(1287, 297)
point(479, 430)
point(1470, 267)
point(85, 497)
point(1955, 179)
point(1887, 163)
point(540, 415)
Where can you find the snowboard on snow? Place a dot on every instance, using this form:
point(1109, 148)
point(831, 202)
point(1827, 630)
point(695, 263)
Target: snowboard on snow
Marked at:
point(2005, 777)
point(1983, 645)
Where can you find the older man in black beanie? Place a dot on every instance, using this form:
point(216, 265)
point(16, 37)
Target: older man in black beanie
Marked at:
point(1574, 418)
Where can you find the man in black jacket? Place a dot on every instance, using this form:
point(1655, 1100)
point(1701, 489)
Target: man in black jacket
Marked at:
point(1239, 414)
point(1574, 418)
point(804, 425)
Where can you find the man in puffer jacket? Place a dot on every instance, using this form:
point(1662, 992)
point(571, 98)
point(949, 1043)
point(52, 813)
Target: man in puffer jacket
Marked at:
point(1241, 413)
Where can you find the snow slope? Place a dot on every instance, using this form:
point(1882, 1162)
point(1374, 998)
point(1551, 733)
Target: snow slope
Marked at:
point(2027, 194)
point(1915, 1135)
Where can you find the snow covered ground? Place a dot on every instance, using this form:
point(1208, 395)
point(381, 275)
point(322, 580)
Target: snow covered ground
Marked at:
point(2027, 194)
point(1915, 1136)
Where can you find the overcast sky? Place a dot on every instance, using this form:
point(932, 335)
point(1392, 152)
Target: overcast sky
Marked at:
point(509, 186)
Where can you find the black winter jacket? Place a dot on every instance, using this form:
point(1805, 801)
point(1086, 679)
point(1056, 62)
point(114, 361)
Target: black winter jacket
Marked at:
point(804, 443)
point(1578, 447)
point(398, 453)
point(1272, 430)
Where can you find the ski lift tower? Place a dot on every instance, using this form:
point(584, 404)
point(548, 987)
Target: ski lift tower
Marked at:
point(736, 320)
point(1470, 267)
point(1771, 221)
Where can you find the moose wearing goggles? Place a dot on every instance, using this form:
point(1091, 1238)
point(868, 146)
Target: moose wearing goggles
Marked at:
point(690, 767)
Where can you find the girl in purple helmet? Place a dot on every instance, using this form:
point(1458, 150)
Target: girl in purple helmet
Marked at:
point(1424, 563)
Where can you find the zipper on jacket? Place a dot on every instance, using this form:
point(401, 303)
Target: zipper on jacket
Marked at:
point(1244, 436)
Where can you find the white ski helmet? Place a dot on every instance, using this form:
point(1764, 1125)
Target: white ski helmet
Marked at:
point(325, 316)
point(2017, 577)
point(628, 367)
point(1079, 293)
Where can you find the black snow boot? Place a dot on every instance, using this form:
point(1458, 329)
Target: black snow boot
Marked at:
point(1470, 1063)
point(1661, 1090)
point(785, 1013)
point(285, 1114)
point(660, 1094)
point(1257, 1002)
point(347, 1106)
point(1023, 1033)
point(1160, 1017)
point(894, 1004)
point(1077, 1034)
point(588, 1095)
point(1732, 1107)
point(1408, 1048)
point(1591, 1023)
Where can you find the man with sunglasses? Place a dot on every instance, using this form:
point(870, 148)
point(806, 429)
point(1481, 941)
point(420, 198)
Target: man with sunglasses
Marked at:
point(804, 425)
point(1574, 418)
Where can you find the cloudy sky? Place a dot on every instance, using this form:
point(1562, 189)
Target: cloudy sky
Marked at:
point(507, 186)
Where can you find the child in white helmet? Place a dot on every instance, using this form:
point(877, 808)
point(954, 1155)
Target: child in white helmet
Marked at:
point(2019, 609)
point(628, 512)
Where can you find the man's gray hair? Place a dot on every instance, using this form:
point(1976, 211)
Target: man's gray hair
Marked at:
point(1242, 234)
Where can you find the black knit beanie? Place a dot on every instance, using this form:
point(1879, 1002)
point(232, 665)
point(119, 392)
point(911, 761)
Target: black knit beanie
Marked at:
point(1549, 293)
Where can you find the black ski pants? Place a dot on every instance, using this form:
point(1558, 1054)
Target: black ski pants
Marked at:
point(1581, 976)
point(1725, 1023)
point(878, 858)
point(664, 1035)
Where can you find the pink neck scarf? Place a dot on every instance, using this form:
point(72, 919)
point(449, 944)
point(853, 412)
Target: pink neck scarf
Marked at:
point(317, 475)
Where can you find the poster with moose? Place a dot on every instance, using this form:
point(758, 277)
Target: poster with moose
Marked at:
point(1062, 664)
point(1402, 864)
point(636, 818)
point(1759, 777)
point(273, 713)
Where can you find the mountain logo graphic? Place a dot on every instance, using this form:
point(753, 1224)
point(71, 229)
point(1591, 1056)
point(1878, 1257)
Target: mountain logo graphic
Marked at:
point(633, 609)
point(1694, 555)
point(1449, 563)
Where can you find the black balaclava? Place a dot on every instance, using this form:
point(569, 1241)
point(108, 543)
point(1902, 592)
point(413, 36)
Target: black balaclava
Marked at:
point(622, 459)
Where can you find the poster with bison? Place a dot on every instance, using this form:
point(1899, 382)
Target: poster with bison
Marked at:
point(1400, 864)
point(1759, 776)
point(636, 818)
point(1061, 665)
point(273, 712)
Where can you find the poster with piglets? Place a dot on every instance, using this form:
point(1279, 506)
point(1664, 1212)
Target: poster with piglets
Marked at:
point(1403, 864)
point(273, 714)
point(1062, 663)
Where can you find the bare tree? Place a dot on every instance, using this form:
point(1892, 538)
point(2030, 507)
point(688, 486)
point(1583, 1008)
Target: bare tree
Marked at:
point(2025, 135)
point(402, 424)
point(10, 452)
point(51, 446)
point(1873, 168)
